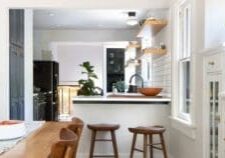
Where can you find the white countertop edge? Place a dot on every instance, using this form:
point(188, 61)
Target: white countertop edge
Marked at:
point(121, 99)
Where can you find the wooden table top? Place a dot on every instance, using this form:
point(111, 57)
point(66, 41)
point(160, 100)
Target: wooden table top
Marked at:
point(37, 144)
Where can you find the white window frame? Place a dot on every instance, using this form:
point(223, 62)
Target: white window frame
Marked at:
point(184, 54)
point(182, 122)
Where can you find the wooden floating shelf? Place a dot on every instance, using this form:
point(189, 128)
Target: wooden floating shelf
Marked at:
point(133, 46)
point(157, 51)
point(151, 27)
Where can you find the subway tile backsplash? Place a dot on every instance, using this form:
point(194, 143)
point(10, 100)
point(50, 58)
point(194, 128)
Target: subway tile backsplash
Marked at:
point(162, 73)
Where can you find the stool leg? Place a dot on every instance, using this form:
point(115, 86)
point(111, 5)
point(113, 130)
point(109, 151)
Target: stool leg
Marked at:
point(145, 146)
point(150, 147)
point(163, 145)
point(92, 144)
point(114, 144)
point(133, 145)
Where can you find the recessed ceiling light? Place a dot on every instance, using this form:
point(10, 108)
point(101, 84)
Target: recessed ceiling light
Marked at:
point(51, 14)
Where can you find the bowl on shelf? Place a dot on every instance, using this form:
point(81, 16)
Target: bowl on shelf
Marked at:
point(12, 129)
point(149, 91)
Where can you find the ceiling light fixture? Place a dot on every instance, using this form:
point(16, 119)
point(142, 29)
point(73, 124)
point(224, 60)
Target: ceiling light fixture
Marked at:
point(51, 14)
point(132, 19)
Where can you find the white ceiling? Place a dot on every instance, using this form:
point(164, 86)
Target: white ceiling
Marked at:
point(84, 19)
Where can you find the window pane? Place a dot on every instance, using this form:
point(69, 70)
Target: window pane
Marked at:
point(186, 87)
point(184, 32)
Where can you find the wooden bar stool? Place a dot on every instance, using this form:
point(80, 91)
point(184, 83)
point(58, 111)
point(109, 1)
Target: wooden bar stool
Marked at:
point(65, 147)
point(77, 127)
point(105, 128)
point(148, 133)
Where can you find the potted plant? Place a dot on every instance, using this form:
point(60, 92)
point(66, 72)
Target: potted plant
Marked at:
point(87, 85)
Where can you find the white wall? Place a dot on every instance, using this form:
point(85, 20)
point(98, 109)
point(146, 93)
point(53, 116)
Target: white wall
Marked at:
point(42, 38)
point(4, 64)
point(70, 56)
point(214, 22)
point(198, 25)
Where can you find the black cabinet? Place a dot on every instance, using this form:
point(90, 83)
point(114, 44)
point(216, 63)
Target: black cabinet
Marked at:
point(16, 63)
point(46, 78)
point(115, 66)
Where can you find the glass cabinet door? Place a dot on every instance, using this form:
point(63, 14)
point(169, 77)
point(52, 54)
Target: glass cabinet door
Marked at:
point(214, 119)
point(211, 122)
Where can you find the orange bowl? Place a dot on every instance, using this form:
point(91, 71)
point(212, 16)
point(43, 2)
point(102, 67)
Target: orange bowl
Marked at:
point(150, 91)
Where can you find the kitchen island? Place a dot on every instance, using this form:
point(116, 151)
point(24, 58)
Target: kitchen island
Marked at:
point(126, 110)
point(122, 98)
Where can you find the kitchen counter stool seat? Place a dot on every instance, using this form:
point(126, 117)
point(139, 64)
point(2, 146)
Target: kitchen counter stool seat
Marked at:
point(148, 133)
point(103, 128)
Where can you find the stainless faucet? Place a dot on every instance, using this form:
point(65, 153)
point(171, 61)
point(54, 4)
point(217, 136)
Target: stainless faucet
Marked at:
point(134, 88)
point(136, 75)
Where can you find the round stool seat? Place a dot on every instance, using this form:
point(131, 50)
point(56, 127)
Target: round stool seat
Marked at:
point(148, 130)
point(148, 133)
point(103, 127)
point(95, 128)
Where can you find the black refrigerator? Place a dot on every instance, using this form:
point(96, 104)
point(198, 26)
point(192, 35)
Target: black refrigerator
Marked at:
point(46, 79)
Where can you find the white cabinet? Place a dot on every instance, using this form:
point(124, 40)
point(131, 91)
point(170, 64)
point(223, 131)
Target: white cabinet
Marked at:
point(213, 108)
point(213, 63)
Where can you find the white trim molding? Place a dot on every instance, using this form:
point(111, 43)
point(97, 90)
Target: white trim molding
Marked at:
point(28, 64)
point(214, 50)
point(184, 127)
point(4, 63)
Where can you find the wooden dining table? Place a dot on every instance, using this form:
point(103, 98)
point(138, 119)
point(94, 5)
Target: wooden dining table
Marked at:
point(37, 144)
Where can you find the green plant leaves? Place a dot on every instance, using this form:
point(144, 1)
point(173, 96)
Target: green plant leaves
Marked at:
point(87, 86)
